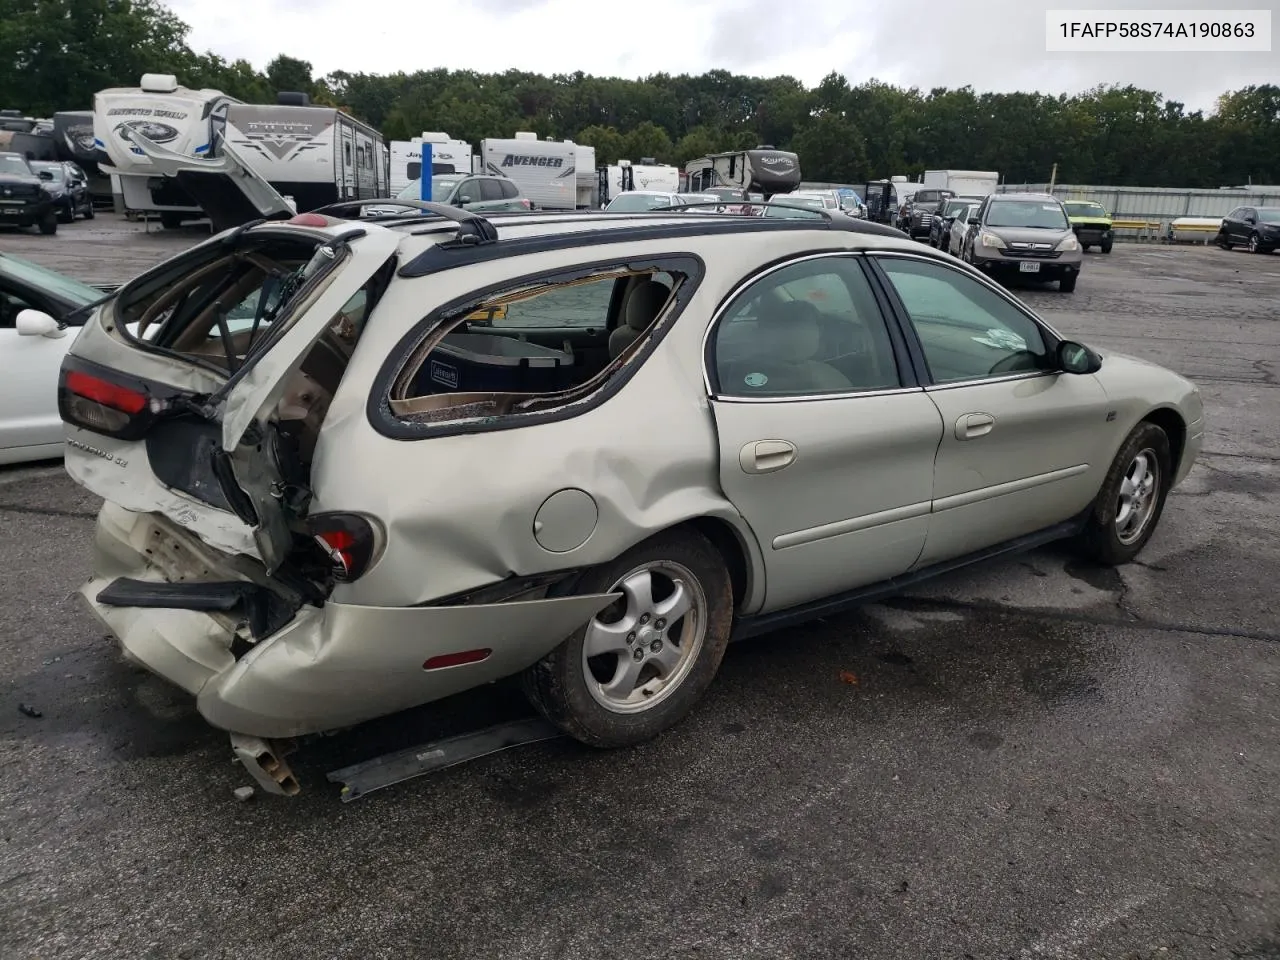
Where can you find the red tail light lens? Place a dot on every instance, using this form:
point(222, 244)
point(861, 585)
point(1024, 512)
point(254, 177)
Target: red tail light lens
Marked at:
point(349, 540)
point(526, 204)
point(114, 407)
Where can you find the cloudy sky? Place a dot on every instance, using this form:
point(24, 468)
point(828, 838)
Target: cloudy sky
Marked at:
point(996, 45)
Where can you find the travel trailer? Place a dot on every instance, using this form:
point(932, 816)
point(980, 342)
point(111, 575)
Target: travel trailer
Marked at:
point(544, 170)
point(73, 141)
point(182, 121)
point(584, 162)
point(763, 170)
point(963, 183)
point(624, 176)
point(447, 156)
point(30, 137)
point(279, 158)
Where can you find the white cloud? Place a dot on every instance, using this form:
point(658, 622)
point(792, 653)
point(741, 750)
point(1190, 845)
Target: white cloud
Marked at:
point(995, 45)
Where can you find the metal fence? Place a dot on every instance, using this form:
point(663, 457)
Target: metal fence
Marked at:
point(1156, 203)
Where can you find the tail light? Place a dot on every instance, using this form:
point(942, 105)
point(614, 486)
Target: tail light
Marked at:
point(524, 202)
point(105, 402)
point(349, 540)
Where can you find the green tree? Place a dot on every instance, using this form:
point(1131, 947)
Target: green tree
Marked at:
point(289, 73)
point(610, 145)
point(831, 150)
point(649, 140)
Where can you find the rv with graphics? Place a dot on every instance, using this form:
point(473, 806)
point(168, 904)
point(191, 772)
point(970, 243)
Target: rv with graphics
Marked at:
point(73, 141)
point(763, 170)
point(625, 176)
point(182, 121)
point(544, 170)
point(276, 159)
point(447, 156)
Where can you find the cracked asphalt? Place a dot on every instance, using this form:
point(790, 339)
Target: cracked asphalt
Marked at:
point(1032, 758)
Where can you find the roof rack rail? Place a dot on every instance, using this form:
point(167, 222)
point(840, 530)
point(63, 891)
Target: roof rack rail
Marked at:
point(472, 228)
point(821, 211)
point(835, 218)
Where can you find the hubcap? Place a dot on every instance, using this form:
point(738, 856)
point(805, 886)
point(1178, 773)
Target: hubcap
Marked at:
point(1137, 500)
point(1253, 244)
point(639, 650)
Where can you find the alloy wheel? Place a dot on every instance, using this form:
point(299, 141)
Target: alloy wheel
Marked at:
point(1136, 503)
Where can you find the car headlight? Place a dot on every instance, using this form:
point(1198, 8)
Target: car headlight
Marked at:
point(1069, 242)
point(991, 240)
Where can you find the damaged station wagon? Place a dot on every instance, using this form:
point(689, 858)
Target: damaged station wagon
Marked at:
point(355, 464)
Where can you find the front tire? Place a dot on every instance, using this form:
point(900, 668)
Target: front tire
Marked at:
point(1106, 246)
point(1132, 498)
point(1224, 240)
point(641, 664)
point(1068, 284)
point(49, 224)
point(88, 212)
point(1255, 243)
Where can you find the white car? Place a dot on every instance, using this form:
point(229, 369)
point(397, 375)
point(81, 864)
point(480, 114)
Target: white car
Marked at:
point(38, 322)
point(638, 201)
point(960, 230)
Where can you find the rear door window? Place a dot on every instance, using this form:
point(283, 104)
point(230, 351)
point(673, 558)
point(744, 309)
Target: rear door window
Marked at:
point(490, 189)
point(509, 190)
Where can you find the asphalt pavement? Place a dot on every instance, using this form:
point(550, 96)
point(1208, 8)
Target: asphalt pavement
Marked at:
point(1033, 758)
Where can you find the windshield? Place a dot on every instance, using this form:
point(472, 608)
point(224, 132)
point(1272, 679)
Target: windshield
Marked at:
point(1081, 208)
point(73, 291)
point(14, 165)
point(631, 202)
point(1034, 214)
point(441, 187)
point(794, 201)
point(1269, 214)
point(794, 211)
point(53, 168)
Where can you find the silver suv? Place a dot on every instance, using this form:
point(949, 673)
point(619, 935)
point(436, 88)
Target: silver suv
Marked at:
point(354, 466)
point(1024, 233)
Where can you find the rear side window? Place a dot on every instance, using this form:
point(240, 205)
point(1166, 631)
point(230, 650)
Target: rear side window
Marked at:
point(533, 348)
point(509, 190)
point(490, 190)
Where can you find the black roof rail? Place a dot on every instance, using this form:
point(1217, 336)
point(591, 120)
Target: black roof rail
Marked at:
point(835, 218)
point(472, 228)
point(822, 211)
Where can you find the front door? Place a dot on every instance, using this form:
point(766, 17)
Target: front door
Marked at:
point(825, 450)
point(1021, 442)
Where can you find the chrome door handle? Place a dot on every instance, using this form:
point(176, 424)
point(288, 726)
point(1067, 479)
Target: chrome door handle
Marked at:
point(766, 456)
point(973, 425)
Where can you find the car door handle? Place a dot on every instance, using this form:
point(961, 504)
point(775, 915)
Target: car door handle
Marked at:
point(766, 456)
point(973, 425)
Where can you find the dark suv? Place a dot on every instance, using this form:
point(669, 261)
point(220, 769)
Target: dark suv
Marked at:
point(921, 209)
point(70, 193)
point(1257, 228)
point(24, 202)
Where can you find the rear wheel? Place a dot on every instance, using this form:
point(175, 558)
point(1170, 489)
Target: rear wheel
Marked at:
point(49, 223)
point(1132, 497)
point(639, 666)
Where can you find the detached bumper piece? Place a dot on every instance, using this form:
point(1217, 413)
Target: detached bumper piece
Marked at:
point(264, 610)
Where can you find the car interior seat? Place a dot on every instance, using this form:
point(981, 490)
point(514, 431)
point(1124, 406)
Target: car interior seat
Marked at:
point(643, 304)
point(783, 354)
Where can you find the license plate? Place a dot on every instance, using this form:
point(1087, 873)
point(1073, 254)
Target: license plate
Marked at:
point(11, 212)
point(1029, 266)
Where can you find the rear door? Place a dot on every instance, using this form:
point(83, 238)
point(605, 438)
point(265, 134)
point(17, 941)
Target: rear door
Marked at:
point(28, 375)
point(826, 448)
point(1023, 445)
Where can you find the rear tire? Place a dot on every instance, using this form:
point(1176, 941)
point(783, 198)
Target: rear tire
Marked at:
point(49, 224)
point(1131, 500)
point(1068, 284)
point(644, 680)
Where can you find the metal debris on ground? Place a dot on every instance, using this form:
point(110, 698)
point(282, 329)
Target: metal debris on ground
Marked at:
point(28, 710)
point(243, 793)
point(392, 768)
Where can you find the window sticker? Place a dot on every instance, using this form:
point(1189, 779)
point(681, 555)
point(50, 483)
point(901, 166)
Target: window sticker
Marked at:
point(1002, 340)
point(755, 379)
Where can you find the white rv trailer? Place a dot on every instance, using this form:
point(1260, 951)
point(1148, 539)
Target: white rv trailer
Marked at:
point(545, 170)
point(277, 157)
point(763, 170)
point(584, 161)
point(624, 175)
point(447, 156)
point(184, 121)
point(963, 183)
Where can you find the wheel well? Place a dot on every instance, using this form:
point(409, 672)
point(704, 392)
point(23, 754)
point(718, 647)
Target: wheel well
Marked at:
point(1172, 424)
point(725, 539)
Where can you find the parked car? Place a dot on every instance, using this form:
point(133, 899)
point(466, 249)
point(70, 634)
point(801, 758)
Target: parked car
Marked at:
point(1091, 223)
point(829, 198)
point(712, 427)
point(38, 321)
point(1257, 228)
point(941, 224)
point(635, 201)
point(70, 194)
point(791, 206)
point(918, 212)
point(23, 200)
point(960, 228)
point(1025, 233)
point(483, 194)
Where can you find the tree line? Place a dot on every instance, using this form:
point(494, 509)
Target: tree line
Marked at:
point(55, 54)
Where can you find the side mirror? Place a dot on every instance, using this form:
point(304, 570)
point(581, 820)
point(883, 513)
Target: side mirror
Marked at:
point(1250, 220)
point(1077, 358)
point(45, 175)
point(973, 221)
point(464, 199)
point(37, 323)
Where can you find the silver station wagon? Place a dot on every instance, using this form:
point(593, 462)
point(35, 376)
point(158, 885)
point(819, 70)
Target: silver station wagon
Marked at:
point(351, 465)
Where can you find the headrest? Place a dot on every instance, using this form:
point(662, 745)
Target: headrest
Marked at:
point(790, 331)
point(644, 303)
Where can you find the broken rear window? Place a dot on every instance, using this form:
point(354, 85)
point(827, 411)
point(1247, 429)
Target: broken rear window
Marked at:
point(536, 347)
